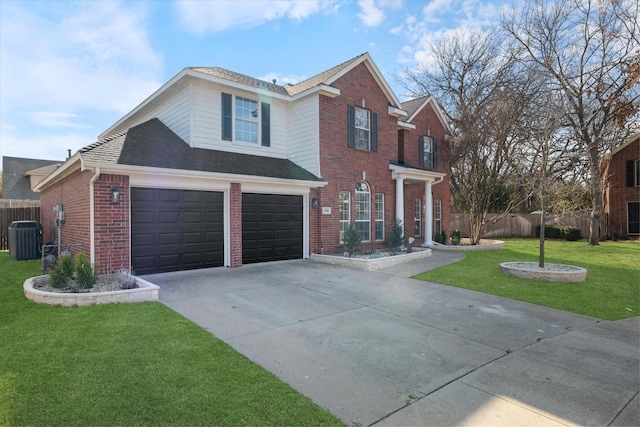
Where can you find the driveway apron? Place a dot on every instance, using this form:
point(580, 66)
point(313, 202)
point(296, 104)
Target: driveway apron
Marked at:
point(382, 348)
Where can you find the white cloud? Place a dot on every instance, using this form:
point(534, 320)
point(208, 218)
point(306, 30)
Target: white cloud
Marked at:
point(63, 62)
point(200, 17)
point(370, 14)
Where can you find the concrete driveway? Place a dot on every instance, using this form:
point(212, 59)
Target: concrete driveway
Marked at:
point(380, 348)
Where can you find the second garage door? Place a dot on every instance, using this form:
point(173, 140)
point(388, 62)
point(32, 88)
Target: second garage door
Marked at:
point(175, 230)
point(271, 227)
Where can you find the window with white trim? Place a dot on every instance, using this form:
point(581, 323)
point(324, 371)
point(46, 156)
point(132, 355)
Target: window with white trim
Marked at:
point(363, 211)
point(379, 205)
point(438, 215)
point(428, 151)
point(246, 120)
point(417, 217)
point(345, 212)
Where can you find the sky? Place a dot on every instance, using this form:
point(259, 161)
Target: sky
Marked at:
point(70, 69)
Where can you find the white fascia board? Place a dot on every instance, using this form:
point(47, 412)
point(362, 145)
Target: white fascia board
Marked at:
point(111, 129)
point(155, 175)
point(396, 112)
point(68, 167)
point(238, 86)
point(405, 125)
point(403, 172)
point(322, 89)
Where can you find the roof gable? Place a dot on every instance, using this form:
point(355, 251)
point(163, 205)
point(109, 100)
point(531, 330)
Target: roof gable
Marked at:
point(415, 106)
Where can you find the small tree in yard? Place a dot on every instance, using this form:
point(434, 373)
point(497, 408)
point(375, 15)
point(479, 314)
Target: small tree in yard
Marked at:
point(396, 239)
point(352, 240)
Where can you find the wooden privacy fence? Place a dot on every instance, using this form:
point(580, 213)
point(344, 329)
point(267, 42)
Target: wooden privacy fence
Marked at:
point(8, 215)
point(522, 225)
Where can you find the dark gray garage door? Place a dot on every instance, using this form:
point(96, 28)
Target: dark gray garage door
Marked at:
point(175, 230)
point(271, 227)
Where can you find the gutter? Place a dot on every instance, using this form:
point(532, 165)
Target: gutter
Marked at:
point(92, 217)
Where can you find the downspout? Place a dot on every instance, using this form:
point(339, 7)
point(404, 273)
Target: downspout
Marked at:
point(92, 230)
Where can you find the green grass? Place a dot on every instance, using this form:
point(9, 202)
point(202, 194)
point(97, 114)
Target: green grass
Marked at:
point(611, 291)
point(128, 364)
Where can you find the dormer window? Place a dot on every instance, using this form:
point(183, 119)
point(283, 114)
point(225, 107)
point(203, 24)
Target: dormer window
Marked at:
point(247, 122)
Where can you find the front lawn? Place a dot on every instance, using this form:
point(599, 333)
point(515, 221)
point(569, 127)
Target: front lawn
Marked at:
point(128, 365)
point(611, 291)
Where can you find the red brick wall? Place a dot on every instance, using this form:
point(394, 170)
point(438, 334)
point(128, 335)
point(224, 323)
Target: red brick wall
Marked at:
point(427, 123)
point(344, 166)
point(618, 192)
point(235, 224)
point(73, 193)
point(112, 224)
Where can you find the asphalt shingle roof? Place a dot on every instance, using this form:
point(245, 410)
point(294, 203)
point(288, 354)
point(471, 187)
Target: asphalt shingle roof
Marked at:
point(412, 106)
point(153, 144)
point(289, 89)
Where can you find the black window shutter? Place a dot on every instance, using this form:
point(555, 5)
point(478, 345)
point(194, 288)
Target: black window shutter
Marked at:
point(435, 153)
point(374, 131)
point(421, 149)
point(266, 124)
point(351, 122)
point(630, 173)
point(227, 124)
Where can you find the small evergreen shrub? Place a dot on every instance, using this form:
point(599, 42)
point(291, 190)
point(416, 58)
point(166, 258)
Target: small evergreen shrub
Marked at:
point(560, 232)
point(63, 272)
point(441, 237)
point(455, 237)
point(85, 276)
point(396, 238)
point(352, 240)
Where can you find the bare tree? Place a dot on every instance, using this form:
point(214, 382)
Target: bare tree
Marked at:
point(483, 95)
point(588, 51)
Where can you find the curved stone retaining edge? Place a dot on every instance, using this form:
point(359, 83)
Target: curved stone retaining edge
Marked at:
point(574, 273)
point(146, 291)
point(494, 245)
point(370, 264)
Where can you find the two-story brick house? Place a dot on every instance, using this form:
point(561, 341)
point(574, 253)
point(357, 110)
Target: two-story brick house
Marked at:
point(621, 190)
point(220, 169)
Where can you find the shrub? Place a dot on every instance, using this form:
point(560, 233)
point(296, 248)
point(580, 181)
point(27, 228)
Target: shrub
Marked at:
point(396, 238)
point(455, 237)
point(85, 276)
point(561, 232)
point(63, 272)
point(441, 237)
point(352, 240)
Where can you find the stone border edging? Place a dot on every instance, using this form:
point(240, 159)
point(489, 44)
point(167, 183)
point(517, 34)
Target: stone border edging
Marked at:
point(373, 264)
point(565, 273)
point(146, 291)
point(494, 245)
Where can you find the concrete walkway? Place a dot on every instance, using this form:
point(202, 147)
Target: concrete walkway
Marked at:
point(380, 348)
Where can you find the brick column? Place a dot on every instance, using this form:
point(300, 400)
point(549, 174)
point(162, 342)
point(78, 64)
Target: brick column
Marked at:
point(235, 224)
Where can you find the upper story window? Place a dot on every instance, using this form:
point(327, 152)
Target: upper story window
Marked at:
point(633, 173)
point(363, 128)
point(428, 151)
point(247, 122)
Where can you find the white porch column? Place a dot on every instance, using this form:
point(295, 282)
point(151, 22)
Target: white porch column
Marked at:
point(400, 200)
point(428, 214)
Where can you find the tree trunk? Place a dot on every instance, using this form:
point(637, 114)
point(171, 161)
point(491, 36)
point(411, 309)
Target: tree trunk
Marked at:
point(541, 257)
point(596, 196)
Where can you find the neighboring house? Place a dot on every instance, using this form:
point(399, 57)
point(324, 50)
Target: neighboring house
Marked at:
point(220, 169)
point(621, 188)
point(19, 175)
